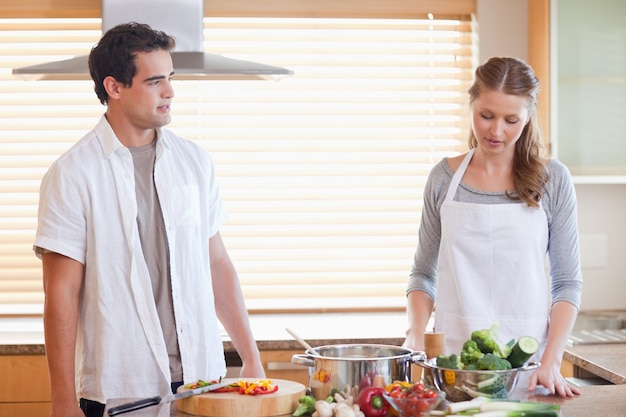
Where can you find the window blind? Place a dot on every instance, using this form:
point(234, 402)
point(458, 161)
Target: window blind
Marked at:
point(322, 173)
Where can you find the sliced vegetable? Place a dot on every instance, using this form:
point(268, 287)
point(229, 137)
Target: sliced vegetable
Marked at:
point(525, 347)
point(261, 386)
point(201, 383)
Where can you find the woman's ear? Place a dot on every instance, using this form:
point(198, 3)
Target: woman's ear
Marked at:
point(112, 87)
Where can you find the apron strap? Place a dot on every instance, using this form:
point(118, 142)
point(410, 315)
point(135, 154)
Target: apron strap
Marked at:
point(456, 179)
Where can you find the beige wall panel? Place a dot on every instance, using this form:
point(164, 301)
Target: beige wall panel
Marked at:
point(539, 57)
point(247, 8)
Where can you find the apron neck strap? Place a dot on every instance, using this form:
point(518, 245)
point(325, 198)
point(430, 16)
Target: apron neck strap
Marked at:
point(456, 178)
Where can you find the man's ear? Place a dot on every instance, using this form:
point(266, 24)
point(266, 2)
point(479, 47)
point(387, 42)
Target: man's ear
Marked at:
point(112, 87)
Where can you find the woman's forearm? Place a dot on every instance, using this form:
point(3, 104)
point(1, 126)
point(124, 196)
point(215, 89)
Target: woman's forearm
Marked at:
point(562, 319)
point(419, 309)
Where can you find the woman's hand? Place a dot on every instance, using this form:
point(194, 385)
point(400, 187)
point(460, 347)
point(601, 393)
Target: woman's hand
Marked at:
point(562, 318)
point(414, 340)
point(252, 369)
point(549, 376)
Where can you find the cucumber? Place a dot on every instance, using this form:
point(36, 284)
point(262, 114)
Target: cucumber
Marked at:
point(525, 347)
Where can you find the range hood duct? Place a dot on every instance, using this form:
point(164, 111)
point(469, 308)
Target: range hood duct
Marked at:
point(181, 19)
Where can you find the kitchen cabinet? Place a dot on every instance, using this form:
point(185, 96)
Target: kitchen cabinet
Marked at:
point(24, 387)
point(567, 368)
point(277, 364)
point(589, 88)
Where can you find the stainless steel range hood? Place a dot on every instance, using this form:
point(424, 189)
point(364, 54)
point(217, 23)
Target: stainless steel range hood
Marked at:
point(183, 20)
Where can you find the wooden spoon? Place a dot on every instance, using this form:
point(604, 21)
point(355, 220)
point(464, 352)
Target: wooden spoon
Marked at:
point(308, 347)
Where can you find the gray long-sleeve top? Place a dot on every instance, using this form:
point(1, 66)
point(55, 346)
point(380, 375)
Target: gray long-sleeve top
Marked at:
point(559, 203)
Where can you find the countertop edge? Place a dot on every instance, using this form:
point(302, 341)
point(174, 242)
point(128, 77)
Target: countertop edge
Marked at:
point(587, 363)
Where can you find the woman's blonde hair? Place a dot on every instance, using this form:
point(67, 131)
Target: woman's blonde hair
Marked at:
point(513, 76)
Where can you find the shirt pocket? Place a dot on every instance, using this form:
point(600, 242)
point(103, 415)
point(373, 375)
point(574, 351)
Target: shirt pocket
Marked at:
point(186, 204)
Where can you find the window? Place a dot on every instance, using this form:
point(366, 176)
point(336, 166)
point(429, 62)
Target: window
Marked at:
point(321, 172)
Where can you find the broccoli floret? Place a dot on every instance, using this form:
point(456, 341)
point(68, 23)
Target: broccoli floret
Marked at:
point(503, 350)
point(470, 353)
point(485, 338)
point(487, 341)
point(449, 362)
point(306, 406)
point(491, 362)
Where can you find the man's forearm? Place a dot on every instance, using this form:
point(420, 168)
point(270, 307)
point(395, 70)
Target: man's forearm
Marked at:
point(60, 339)
point(62, 284)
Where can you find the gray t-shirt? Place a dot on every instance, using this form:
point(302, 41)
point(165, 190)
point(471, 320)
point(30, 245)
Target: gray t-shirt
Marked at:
point(559, 203)
point(155, 251)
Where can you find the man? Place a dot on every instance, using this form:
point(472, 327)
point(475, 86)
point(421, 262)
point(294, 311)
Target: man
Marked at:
point(135, 273)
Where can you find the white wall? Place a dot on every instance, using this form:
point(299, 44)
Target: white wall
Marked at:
point(602, 227)
point(503, 30)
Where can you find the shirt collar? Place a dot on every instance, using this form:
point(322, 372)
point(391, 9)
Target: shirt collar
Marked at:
point(110, 142)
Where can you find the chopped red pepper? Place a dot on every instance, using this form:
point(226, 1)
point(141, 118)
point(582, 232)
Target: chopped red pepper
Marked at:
point(227, 388)
point(262, 386)
point(265, 390)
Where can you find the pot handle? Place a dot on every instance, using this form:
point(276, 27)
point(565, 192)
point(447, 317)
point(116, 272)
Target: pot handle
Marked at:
point(303, 360)
point(417, 357)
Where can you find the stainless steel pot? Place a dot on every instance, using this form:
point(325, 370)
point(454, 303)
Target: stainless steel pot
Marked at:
point(352, 366)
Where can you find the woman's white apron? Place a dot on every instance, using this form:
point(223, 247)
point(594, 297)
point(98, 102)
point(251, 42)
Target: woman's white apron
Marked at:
point(491, 269)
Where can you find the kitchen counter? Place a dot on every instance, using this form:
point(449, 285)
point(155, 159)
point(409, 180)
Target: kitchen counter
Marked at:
point(24, 335)
point(595, 401)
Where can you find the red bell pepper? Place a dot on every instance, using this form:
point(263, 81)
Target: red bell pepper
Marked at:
point(372, 402)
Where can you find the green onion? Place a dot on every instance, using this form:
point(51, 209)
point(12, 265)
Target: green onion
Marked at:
point(517, 406)
point(504, 413)
point(473, 404)
point(484, 407)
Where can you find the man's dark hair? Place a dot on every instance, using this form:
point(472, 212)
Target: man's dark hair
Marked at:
point(114, 55)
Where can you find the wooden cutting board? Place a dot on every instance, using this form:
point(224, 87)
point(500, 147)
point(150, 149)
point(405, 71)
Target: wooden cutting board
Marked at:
point(230, 404)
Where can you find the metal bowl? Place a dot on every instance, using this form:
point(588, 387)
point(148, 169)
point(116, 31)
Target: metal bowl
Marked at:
point(461, 385)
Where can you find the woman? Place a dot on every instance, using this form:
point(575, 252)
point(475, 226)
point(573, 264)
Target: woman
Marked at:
point(490, 217)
